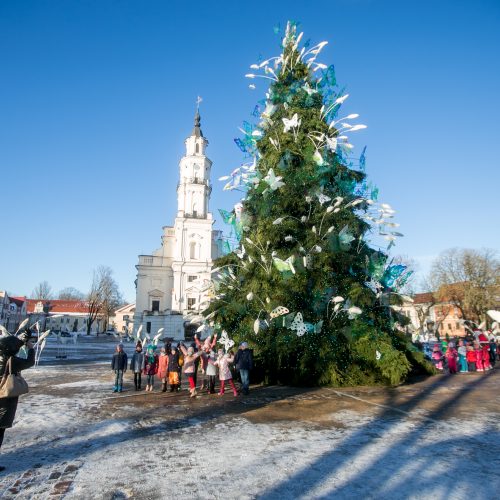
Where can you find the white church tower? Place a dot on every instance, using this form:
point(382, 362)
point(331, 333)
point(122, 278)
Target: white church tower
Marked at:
point(172, 283)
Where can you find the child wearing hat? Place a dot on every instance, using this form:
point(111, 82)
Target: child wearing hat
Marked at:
point(462, 356)
point(119, 365)
point(223, 361)
point(479, 357)
point(137, 365)
point(173, 369)
point(471, 359)
point(485, 347)
point(451, 357)
point(163, 369)
point(190, 358)
point(437, 357)
point(150, 367)
point(211, 371)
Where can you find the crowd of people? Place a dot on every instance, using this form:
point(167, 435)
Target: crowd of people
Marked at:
point(199, 362)
point(478, 354)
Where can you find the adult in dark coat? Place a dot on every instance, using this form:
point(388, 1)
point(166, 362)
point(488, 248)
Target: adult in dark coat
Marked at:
point(243, 361)
point(9, 347)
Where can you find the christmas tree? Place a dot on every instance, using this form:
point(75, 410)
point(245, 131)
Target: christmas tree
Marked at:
point(303, 284)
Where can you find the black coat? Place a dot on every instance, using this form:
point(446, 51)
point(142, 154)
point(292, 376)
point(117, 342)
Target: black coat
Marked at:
point(8, 406)
point(243, 359)
point(173, 362)
point(119, 361)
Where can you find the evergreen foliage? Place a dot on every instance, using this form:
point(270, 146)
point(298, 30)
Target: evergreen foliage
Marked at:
point(304, 286)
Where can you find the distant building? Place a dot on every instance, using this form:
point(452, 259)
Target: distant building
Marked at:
point(123, 319)
point(12, 311)
point(427, 310)
point(61, 315)
point(173, 283)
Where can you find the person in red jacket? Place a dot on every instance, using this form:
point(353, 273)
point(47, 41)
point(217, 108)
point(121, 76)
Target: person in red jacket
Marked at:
point(451, 356)
point(150, 367)
point(471, 358)
point(163, 369)
point(479, 357)
point(486, 356)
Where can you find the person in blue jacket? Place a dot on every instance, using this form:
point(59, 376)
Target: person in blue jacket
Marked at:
point(119, 365)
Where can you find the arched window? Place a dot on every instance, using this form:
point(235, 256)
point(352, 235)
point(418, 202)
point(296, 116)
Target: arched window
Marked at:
point(195, 209)
point(197, 148)
point(192, 250)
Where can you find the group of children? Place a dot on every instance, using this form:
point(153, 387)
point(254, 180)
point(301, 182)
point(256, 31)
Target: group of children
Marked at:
point(173, 360)
point(479, 355)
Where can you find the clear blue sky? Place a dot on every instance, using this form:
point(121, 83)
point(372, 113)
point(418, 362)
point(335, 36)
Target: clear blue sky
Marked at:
point(97, 97)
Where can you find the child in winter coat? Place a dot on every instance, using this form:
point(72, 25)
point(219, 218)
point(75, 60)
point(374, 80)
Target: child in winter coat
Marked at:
point(471, 358)
point(150, 367)
point(163, 369)
point(225, 375)
point(173, 369)
point(190, 358)
point(119, 365)
point(451, 356)
point(479, 357)
point(137, 364)
point(462, 357)
point(493, 351)
point(486, 356)
point(437, 357)
point(211, 371)
point(205, 347)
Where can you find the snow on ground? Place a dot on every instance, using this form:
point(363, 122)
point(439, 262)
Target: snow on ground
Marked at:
point(75, 439)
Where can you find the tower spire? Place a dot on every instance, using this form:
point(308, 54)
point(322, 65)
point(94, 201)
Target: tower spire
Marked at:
point(197, 130)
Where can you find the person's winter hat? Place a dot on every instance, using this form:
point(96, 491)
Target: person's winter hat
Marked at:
point(10, 345)
point(244, 345)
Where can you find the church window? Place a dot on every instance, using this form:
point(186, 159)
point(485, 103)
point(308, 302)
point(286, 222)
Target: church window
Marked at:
point(191, 303)
point(155, 305)
point(193, 250)
point(148, 326)
point(197, 148)
point(192, 278)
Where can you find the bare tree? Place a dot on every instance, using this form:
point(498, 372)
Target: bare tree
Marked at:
point(70, 293)
point(468, 279)
point(103, 297)
point(42, 291)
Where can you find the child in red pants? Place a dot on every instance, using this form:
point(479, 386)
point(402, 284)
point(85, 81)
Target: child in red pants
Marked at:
point(451, 356)
point(189, 366)
point(479, 357)
point(486, 357)
point(225, 375)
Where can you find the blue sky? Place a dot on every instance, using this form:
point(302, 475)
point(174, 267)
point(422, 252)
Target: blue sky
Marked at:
point(97, 97)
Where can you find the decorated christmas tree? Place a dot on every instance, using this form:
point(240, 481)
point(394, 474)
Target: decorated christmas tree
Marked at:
point(304, 283)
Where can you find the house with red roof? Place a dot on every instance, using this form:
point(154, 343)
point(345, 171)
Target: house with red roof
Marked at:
point(12, 311)
point(61, 315)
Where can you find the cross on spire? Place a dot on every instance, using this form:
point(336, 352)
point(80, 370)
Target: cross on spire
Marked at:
point(197, 130)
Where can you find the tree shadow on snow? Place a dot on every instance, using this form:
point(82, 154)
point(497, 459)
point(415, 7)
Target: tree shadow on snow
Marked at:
point(450, 467)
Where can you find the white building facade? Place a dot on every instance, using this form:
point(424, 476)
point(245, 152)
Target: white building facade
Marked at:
point(173, 283)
